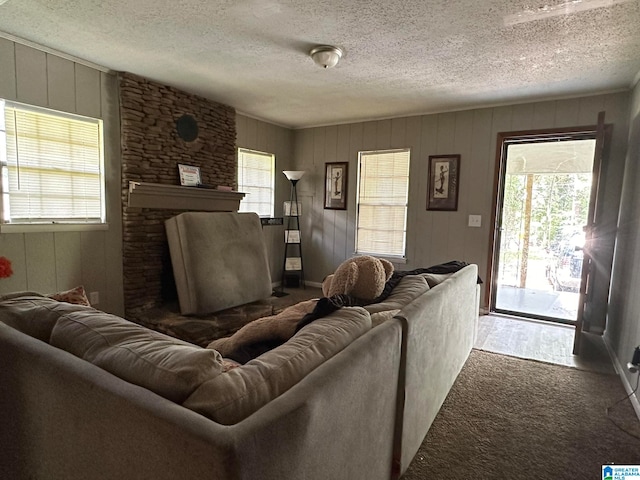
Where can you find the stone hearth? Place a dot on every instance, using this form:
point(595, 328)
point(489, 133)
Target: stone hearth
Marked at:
point(202, 329)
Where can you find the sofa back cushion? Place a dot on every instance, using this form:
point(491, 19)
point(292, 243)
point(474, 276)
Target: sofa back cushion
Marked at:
point(219, 260)
point(434, 279)
point(409, 288)
point(236, 394)
point(165, 365)
point(32, 313)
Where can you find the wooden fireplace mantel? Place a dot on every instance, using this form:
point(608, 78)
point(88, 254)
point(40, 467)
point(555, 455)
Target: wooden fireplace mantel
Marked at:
point(175, 197)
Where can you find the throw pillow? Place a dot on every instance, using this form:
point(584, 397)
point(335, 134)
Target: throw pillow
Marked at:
point(75, 295)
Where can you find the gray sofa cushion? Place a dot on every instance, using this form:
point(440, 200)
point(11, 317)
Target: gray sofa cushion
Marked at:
point(33, 313)
point(434, 279)
point(233, 396)
point(167, 366)
point(219, 260)
point(410, 287)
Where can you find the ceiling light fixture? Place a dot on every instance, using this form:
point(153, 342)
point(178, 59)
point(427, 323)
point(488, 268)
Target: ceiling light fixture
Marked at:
point(326, 56)
point(564, 8)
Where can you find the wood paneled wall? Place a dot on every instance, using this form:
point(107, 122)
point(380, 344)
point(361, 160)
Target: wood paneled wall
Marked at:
point(623, 330)
point(266, 137)
point(55, 261)
point(434, 236)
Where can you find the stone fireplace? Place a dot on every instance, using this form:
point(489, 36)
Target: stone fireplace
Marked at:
point(151, 152)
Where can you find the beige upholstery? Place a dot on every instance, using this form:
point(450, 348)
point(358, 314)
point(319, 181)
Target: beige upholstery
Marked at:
point(27, 312)
point(409, 288)
point(167, 366)
point(71, 420)
point(231, 397)
point(439, 328)
point(341, 400)
point(219, 260)
point(434, 279)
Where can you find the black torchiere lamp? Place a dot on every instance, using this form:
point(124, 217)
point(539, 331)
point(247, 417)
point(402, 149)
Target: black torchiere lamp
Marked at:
point(293, 263)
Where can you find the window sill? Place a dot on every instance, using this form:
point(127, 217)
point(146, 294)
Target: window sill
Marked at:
point(392, 259)
point(52, 227)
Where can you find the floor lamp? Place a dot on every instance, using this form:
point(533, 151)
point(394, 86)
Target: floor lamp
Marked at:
point(292, 238)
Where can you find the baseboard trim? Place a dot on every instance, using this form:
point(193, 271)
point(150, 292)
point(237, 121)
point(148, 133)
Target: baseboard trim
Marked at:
point(620, 370)
point(275, 285)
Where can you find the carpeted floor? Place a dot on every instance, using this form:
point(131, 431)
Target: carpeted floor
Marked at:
point(506, 417)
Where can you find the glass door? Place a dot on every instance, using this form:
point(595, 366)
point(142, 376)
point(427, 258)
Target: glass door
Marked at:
point(543, 207)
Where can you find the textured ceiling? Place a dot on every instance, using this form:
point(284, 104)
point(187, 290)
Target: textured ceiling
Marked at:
point(402, 57)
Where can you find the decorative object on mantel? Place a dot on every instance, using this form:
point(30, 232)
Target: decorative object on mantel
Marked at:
point(189, 175)
point(187, 128)
point(269, 221)
point(292, 269)
point(5, 268)
point(175, 197)
point(444, 179)
point(335, 185)
point(326, 56)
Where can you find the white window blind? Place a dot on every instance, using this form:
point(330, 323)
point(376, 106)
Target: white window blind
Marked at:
point(256, 176)
point(52, 166)
point(383, 189)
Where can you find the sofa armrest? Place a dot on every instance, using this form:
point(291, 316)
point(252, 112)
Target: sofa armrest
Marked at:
point(438, 332)
point(70, 419)
point(337, 423)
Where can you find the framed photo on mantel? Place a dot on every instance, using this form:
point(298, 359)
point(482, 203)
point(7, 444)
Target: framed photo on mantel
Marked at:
point(444, 179)
point(189, 175)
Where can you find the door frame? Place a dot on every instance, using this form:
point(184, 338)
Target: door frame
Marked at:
point(524, 136)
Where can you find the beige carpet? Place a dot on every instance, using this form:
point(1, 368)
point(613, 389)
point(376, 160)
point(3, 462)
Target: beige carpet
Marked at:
point(506, 417)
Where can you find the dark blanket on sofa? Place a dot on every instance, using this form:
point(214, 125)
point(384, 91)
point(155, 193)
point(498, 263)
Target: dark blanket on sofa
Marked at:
point(245, 351)
point(327, 305)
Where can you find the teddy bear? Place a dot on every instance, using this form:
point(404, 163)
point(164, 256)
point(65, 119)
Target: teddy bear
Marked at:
point(362, 277)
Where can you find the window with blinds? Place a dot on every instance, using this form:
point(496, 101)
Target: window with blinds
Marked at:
point(51, 166)
point(383, 190)
point(256, 177)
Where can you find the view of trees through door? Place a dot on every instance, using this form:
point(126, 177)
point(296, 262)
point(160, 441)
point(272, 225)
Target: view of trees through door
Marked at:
point(543, 208)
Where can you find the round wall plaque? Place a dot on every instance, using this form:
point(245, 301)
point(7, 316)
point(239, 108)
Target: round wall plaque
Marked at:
point(187, 128)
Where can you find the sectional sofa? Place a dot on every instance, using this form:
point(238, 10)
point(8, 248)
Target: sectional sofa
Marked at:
point(350, 396)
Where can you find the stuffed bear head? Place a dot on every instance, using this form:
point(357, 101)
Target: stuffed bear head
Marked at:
point(361, 277)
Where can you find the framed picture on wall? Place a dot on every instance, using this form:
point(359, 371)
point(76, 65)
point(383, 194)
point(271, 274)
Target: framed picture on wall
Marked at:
point(335, 181)
point(443, 182)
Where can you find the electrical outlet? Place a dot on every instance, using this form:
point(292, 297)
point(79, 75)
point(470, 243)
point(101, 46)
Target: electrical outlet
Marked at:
point(94, 298)
point(634, 365)
point(475, 220)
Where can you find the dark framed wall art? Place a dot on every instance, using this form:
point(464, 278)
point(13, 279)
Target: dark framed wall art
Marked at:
point(335, 181)
point(444, 180)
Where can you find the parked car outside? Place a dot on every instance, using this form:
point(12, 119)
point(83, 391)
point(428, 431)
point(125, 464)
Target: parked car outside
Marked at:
point(564, 270)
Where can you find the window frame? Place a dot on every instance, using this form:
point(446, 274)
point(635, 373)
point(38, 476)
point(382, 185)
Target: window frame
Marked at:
point(272, 188)
point(35, 224)
point(397, 258)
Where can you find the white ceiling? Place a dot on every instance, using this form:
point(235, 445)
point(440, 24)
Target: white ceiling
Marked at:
point(402, 57)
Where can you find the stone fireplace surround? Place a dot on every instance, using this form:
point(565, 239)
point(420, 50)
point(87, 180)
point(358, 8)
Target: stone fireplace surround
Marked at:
point(151, 152)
